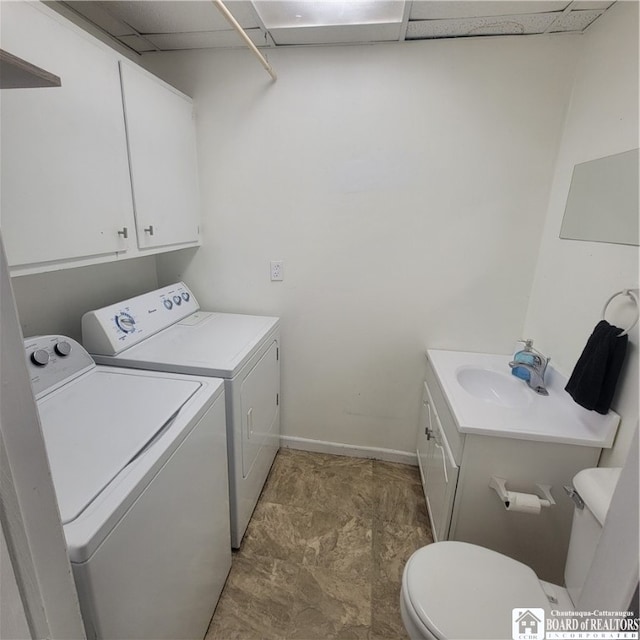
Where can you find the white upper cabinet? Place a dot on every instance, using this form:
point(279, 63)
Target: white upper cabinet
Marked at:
point(162, 156)
point(66, 190)
point(101, 168)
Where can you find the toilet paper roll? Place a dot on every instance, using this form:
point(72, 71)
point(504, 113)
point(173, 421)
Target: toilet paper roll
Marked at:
point(523, 502)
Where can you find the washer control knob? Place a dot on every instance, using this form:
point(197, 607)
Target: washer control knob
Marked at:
point(40, 357)
point(177, 300)
point(167, 303)
point(125, 322)
point(63, 348)
point(185, 296)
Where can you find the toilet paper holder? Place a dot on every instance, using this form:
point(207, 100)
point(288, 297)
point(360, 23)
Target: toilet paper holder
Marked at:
point(499, 485)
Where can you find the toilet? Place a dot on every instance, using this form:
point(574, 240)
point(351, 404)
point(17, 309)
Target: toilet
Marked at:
point(460, 591)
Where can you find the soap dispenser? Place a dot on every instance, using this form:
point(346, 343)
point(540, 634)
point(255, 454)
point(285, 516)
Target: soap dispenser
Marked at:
point(524, 356)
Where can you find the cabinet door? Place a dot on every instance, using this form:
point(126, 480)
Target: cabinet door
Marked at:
point(441, 484)
point(424, 443)
point(66, 191)
point(438, 469)
point(162, 155)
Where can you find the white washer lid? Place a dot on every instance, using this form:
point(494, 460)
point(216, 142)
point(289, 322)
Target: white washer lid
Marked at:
point(94, 426)
point(461, 591)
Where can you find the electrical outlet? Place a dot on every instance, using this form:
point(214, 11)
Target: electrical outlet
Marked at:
point(277, 270)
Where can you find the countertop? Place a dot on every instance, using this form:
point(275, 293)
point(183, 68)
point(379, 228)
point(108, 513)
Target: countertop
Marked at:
point(553, 418)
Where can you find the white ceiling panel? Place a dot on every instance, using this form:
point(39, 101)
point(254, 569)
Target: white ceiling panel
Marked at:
point(97, 14)
point(587, 5)
point(449, 9)
point(205, 39)
point(137, 43)
point(575, 21)
point(341, 34)
point(499, 25)
point(167, 17)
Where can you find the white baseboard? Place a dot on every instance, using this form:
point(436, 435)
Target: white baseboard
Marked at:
point(339, 449)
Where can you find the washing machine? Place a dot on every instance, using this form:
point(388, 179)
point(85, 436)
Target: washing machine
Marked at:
point(165, 330)
point(138, 461)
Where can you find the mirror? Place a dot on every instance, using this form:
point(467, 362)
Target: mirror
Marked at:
point(602, 205)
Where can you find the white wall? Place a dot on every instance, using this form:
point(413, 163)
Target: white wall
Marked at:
point(405, 187)
point(53, 303)
point(574, 279)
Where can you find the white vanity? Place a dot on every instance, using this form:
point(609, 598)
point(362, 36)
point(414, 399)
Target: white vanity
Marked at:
point(477, 422)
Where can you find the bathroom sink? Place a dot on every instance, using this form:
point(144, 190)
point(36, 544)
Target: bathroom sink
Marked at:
point(485, 399)
point(491, 386)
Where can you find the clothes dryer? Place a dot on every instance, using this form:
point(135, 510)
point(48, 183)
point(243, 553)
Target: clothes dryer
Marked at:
point(165, 330)
point(138, 461)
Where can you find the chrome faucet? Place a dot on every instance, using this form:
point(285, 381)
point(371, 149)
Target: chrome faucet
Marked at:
point(536, 369)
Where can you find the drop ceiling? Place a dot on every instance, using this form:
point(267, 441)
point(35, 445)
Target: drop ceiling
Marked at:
point(169, 25)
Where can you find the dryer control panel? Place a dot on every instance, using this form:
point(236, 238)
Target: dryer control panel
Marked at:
point(112, 329)
point(53, 361)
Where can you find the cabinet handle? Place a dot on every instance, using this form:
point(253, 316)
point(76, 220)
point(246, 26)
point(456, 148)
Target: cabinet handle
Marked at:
point(149, 229)
point(428, 432)
point(124, 232)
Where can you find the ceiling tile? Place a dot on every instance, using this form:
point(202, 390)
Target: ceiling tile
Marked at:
point(498, 25)
point(447, 9)
point(580, 5)
point(97, 14)
point(244, 12)
point(137, 43)
point(575, 21)
point(341, 34)
point(176, 16)
point(205, 39)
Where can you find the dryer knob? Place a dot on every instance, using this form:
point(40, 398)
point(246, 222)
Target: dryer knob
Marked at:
point(40, 357)
point(63, 348)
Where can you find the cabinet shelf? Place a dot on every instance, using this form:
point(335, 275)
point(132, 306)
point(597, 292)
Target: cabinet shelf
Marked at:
point(16, 73)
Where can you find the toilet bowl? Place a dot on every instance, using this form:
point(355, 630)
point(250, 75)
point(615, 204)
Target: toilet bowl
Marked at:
point(460, 591)
point(457, 590)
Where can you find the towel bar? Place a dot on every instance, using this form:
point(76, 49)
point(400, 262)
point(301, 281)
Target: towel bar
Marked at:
point(631, 293)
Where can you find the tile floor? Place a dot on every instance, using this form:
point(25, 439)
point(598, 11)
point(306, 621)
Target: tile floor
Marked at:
point(324, 552)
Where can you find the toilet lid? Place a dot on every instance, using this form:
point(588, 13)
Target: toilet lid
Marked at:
point(461, 591)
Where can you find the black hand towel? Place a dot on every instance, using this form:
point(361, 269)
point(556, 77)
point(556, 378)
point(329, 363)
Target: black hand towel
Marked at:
point(594, 378)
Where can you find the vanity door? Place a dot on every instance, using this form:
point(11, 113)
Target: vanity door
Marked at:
point(439, 470)
point(441, 486)
point(424, 443)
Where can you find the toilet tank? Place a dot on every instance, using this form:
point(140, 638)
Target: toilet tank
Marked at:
point(596, 487)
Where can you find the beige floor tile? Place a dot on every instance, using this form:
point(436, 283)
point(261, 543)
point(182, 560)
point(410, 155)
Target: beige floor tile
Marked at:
point(277, 531)
point(341, 543)
point(394, 471)
point(324, 552)
point(393, 544)
point(319, 482)
point(398, 495)
point(329, 606)
point(257, 600)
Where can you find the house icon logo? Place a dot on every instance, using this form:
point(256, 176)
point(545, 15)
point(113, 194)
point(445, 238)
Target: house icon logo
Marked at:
point(527, 624)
